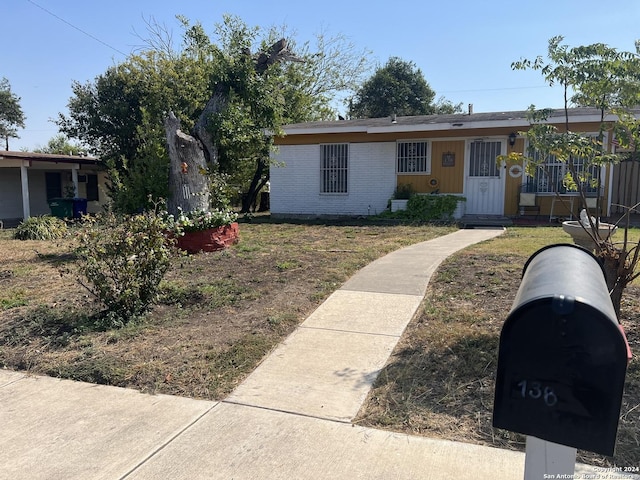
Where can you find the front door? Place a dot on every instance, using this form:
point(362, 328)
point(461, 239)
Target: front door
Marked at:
point(484, 180)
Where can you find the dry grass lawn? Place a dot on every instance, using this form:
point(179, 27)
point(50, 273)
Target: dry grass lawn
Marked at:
point(440, 379)
point(220, 313)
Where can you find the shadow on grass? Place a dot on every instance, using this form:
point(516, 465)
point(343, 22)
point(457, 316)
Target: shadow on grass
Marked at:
point(52, 326)
point(339, 220)
point(57, 259)
point(431, 384)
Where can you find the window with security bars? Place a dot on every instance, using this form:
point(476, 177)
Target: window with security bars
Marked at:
point(550, 177)
point(334, 168)
point(482, 159)
point(413, 157)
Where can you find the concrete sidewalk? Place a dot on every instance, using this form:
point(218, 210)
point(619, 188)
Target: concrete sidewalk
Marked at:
point(290, 419)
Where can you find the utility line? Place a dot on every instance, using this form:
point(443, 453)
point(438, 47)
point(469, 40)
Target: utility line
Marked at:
point(498, 89)
point(79, 29)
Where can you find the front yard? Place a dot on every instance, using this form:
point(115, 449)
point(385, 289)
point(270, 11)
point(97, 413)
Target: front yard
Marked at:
point(221, 312)
point(218, 315)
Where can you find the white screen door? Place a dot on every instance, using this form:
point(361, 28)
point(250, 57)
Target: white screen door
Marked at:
point(484, 180)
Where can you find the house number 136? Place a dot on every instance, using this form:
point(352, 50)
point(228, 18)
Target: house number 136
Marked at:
point(536, 391)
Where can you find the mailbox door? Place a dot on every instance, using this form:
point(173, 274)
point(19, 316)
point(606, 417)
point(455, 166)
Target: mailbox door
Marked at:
point(561, 375)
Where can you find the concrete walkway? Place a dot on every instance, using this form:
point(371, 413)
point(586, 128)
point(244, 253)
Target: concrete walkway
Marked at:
point(290, 419)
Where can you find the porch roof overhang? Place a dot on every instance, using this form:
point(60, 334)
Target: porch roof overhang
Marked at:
point(432, 123)
point(9, 159)
point(28, 160)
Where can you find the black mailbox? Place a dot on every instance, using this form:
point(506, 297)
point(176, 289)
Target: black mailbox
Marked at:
point(563, 356)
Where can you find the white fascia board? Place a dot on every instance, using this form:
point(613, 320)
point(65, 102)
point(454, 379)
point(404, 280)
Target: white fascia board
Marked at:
point(438, 127)
point(515, 123)
point(322, 130)
point(12, 162)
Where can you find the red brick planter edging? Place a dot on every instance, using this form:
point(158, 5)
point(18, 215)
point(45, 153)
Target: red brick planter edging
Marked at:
point(209, 240)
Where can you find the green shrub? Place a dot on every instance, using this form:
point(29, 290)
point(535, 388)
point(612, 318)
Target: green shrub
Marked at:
point(404, 191)
point(432, 207)
point(45, 227)
point(123, 260)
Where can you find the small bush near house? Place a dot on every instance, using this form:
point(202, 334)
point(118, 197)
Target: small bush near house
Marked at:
point(426, 208)
point(121, 261)
point(41, 228)
point(432, 207)
point(404, 191)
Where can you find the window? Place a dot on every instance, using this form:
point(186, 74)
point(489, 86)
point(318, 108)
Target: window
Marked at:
point(482, 158)
point(413, 157)
point(334, 168)
point(550, 178)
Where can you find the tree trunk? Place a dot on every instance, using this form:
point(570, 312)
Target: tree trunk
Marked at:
point(188, 180)
point(249, 199)
point(217, 103)
point(189, 156)
point(618, 272)
point(611, 266)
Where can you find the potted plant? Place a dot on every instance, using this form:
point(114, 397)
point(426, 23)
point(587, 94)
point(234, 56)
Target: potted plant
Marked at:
point(582, 230)
point(200, 230)
point(401, 196)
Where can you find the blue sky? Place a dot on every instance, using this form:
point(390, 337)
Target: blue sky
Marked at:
point(464, 48)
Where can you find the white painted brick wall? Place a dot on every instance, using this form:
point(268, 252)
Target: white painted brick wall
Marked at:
point(295, 184)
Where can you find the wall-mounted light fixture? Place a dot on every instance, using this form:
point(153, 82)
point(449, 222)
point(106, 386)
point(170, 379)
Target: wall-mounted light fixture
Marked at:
point(512, 139)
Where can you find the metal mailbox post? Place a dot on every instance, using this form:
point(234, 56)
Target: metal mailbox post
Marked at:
point(563, 356)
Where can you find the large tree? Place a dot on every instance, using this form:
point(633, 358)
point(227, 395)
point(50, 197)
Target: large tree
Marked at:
point(604, 78)
point(60, 145)
point(397, 88)
point(120, 115)
point(11, 114)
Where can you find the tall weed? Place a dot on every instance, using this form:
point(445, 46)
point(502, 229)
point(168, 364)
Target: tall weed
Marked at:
point(40, 228)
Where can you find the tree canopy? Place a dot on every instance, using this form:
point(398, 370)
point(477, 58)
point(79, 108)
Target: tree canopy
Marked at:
point(399, 88)
point(11, 114)
point(119, 116)
point(60, 145)
point(601, 77)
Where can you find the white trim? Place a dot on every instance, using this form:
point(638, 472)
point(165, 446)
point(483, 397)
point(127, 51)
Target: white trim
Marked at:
point(334, 129)
point(434, 127)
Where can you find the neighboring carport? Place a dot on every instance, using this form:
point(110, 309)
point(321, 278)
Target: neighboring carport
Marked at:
point(29, 180)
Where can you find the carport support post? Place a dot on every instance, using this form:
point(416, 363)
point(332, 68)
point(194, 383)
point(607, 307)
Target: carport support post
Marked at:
point(24, 179)
point(547, 458)
point(74, 179)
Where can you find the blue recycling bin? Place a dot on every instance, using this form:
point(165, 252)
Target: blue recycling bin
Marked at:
point(79, 207)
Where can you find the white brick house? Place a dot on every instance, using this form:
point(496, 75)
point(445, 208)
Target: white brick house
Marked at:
point(297, 186)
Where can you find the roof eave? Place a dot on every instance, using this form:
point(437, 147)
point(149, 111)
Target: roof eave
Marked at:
point(459, 125)
point(324, 130)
